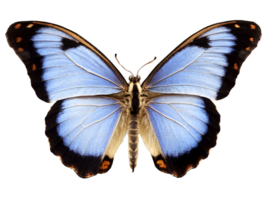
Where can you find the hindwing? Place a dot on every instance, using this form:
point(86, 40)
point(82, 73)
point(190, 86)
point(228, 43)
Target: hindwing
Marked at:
point(85, 132)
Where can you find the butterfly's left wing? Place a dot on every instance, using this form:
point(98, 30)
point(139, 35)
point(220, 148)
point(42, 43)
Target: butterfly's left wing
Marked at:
point(84, 128)
point(181, 124)
point(61, 64)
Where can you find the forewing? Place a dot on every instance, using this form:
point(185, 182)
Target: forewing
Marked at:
point(207, 63)
point(179, 131)
point(61, 64)
point(85, 133)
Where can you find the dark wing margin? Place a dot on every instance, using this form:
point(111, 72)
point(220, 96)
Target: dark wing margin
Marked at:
point(231, 42)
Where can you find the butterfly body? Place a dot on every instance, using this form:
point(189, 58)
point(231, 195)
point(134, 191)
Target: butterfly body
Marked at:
point(95, 107)
point(135, 102)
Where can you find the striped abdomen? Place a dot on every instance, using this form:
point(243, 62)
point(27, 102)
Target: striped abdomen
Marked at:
point(133, 140)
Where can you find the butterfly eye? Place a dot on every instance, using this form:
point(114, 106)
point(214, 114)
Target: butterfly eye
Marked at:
point(130, 78)
point(139, 78)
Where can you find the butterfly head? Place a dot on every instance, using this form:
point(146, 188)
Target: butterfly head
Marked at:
point(134, 78)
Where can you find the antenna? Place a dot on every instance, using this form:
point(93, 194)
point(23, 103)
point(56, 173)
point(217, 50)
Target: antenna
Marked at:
point(140, 68)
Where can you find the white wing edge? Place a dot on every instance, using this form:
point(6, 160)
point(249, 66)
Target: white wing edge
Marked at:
point(148, 134)
point(117, 135)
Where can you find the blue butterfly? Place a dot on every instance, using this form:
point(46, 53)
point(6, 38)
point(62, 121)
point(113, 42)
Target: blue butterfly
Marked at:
point(95, 106)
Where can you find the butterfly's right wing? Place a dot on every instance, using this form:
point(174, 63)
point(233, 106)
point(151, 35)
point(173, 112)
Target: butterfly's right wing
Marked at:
point(179, 131)
point(207, 63)
point(181, 125)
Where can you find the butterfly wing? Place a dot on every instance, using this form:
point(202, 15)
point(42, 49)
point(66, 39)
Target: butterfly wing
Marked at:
point(204, 66)
point(85, 133)
point(61, 64)
point(187, 130)
point(207, 63)
point(83, 130)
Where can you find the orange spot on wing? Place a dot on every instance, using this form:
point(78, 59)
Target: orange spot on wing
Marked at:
point(161, 164)
point(105, 165)
point(17, 26)
point(237, 26)
point(251, 39)
point(248, 48)
point(20, 49)
point(175, 174)
point(18, 39)
point(33, 67)
point(252, 26)
point(235, 66)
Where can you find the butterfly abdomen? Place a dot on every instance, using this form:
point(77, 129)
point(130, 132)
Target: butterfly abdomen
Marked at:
point(133, 140)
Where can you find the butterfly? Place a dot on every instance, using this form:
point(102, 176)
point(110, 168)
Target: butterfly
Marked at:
point(95, 107)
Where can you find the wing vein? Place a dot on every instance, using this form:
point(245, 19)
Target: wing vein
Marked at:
point(84, 127)
point(169, 118)
point(92, 72)
point(176, 71)
point(190, 125)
